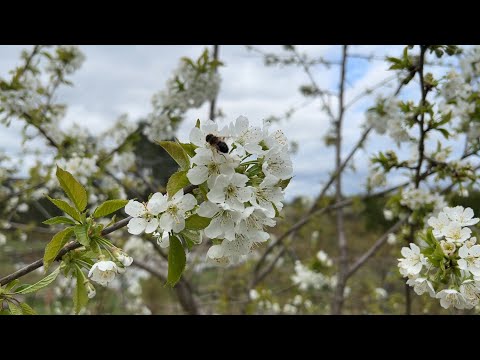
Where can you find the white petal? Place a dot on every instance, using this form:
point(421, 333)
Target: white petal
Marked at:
point(215, 252)
point(157, 204)
point(463, 251)
point(415, 248)
point(197, 175)
point(179, 225)
point(474, 251)
point(245, 194)
point(152, 225)
point(166, 222)
point(134, 208)
point(164, 240)
point(187, 203)
point(213, 230)
point(197, 137)
point(178, 196)
point(216, 195)
point(207, 209)
point(136, 226)
point(462, 264)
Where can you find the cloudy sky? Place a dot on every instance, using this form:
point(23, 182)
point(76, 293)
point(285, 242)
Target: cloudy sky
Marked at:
point(122, 79)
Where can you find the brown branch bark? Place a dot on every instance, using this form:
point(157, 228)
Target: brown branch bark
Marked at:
point(375, 247)
point(216, 49)
point(71, 246)
point(338, 297)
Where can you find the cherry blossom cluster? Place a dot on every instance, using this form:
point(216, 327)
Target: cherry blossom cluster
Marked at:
point(387, 118)
point(446, 265)
point(417, 204)
point(312, 277)
point(266, 304)
point(241, 189)
point(190, 86)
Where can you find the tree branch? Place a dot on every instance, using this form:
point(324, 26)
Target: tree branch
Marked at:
point(338, 297)
point(216, 49)
point(71, 246)
point(375, 247)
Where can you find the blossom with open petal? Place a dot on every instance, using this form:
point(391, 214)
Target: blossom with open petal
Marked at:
point(421, 285)
point(267, 194)
point(103, 272)
point(454, 232)
point(174, 216)
point(469, 259)
point(413, 260)
point(231, 190)
point(252, 223)
point(198, 135)
point(438, 224)
point(277, 162)
point(247, 138)
point(470, 289)
point(464, 217)
point(275, 139)
point(451, 297)
point(210, 164)
point(224, 219)
point(144, 215)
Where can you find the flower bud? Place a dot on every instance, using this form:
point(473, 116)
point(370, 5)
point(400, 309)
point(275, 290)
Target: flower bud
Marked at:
point(91, 292)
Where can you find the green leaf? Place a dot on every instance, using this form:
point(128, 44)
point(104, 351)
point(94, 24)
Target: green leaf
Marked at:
point(27, 310)
point(66, 207)
point(11, 284)
point(176, 151)
point(430, 239)
point(191, 238)
point(444, 132)
point(80, 296)
point(189, 149)
point(81, 233)
point(176, 261)
point(197, 222)
point(176, 182)
point(59, 220)
point(284, 183)
point(22, 287)
point(47, 280)
point(197, 124)
point(14, 309)
point(74, 190)
point(108, 207)
point(53, 247)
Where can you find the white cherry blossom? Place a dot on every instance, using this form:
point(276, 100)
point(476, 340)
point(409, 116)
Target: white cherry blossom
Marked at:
point(103, 272)
point(210, 164)
point(144, 215)
point(413, 260)
point(470, 259)
point(267, 195)
point(454, 232)
point(231, 190)
point(464, 217)
point(174, 216)
point(277, 163)
point(451, 297)
point(224, 220)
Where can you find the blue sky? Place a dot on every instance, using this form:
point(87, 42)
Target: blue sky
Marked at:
point(122, 79)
